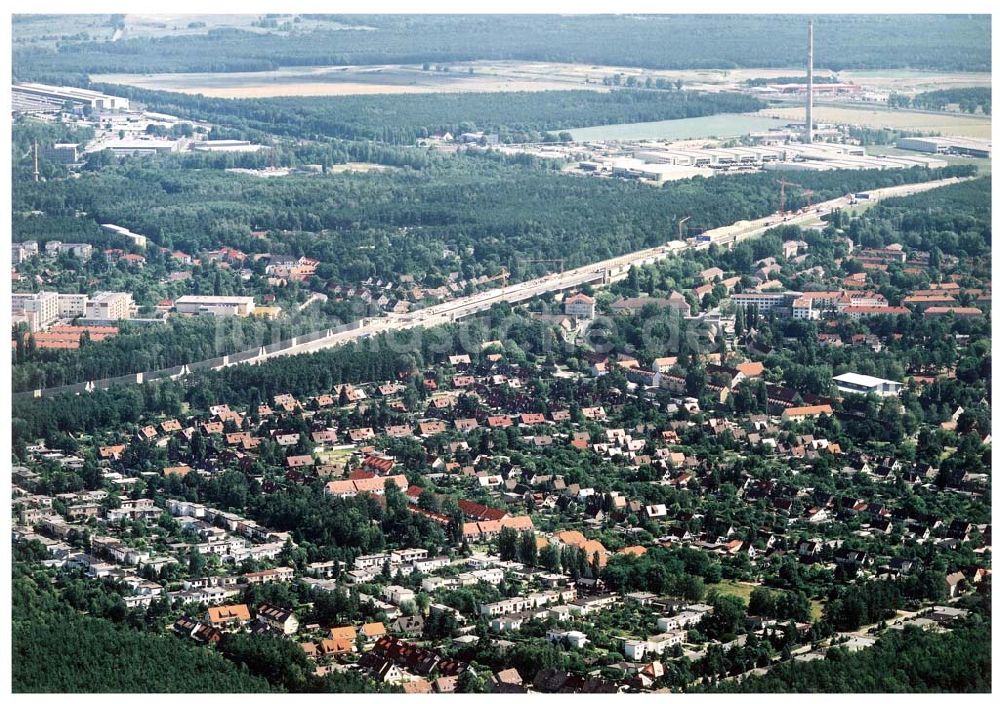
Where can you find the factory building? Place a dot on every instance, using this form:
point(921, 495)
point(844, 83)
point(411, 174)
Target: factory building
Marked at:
point(825, 89)
point(138, 147)
point(61, 153)
point(659, 173)
point(664, 163)
point(226, 145)
point(38, 97)
point(961, 146)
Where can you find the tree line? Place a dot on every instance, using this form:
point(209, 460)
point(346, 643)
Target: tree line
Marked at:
point(907, 661)
point(57, 649)
point(402, 119)
point(657, 42)
point(968, 99)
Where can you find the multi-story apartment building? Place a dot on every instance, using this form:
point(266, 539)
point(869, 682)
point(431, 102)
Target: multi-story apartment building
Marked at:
point(764, 302)
point(109, 305)
point(72, 305)
point(38, 310)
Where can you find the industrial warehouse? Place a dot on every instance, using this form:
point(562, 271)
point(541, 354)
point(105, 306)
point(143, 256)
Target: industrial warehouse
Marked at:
point(650, 162)
point(37, 97)
point(958, 146)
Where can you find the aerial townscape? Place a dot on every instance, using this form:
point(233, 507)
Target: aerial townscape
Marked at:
point(481, 353)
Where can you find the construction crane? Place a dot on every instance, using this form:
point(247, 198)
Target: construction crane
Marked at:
point(783, 182)
point(504, 275)
point(680, 227)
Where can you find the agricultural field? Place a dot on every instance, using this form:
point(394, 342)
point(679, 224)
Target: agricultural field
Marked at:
point(389, 79)
point(908, 82)
point(494, 76)
point(876, 117)
point(138, 25)
point(46, 30)
point(344, 80)
point(710, 126)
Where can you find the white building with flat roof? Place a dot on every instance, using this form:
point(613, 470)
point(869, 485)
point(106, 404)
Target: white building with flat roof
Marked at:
point(764, 301)
point(215, 305)
point(109, 305)
point(852, 383)
point(137, 239)
point(72, 305)
point(964, 146)
point(38, 310)
point(226, 145)
point(36, 96)
point(137, 146)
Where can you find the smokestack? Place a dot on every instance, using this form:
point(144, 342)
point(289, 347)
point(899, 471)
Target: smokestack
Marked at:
point(36, 162)
point(809, 89)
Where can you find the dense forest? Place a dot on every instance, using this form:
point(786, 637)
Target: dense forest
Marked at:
point(959, 42)
point(363, 225)
point(967, 99)
point(57, 649)
point(905, 661)
point(358, 224)
point(401, 119)
point(433, 216)
point(72, 635)
point(355, 363)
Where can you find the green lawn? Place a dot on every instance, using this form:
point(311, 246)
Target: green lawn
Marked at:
point(816, 609)
point(742, 590)
point(731, 587)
